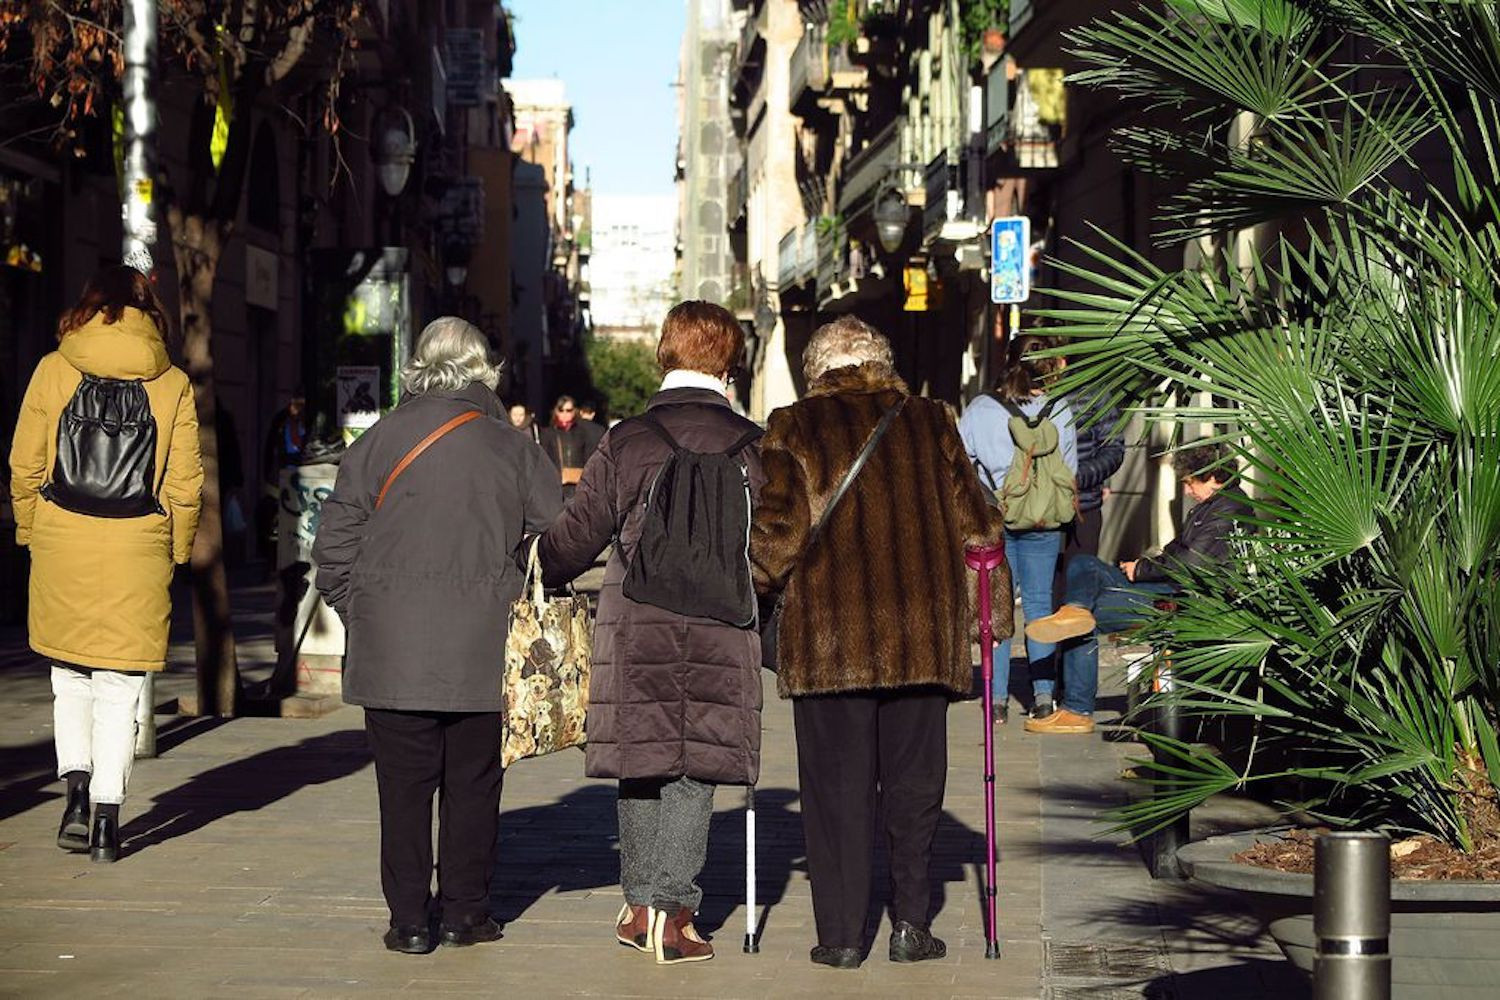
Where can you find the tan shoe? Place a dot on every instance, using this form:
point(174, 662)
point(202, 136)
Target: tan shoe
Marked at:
point(675, 939)
point(1067, 622)
point(633, 927)
point(1061, 721)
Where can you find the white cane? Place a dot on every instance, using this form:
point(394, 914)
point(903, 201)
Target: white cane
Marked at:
point(752, 944)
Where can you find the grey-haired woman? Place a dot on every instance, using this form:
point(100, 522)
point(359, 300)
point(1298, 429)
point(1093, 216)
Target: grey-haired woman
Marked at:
point(416, 557)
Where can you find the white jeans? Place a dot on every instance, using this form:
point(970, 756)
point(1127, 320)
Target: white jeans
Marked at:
point(93, 727)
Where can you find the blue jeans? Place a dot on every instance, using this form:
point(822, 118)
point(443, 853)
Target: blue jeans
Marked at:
point(1032, 556)
point(1116, 604)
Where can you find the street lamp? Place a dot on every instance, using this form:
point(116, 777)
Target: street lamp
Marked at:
point(395, 148)
point(891, 216)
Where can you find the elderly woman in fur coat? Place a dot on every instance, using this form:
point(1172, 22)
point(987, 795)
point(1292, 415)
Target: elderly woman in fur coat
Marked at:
point(874, 634)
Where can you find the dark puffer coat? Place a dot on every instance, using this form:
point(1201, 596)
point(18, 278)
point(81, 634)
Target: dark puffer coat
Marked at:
point(882, 600)
point(1101, 449)
point(425, 584)
point(669, 695)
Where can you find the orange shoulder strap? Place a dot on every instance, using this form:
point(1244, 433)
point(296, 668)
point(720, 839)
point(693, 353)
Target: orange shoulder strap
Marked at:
point(421, 446)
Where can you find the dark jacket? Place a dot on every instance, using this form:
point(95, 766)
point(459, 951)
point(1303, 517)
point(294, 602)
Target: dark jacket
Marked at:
point(425, 584)
point(669, 695)
point(882, 600)
point(1203, 540)
point(1101, 450)
point(569, 448)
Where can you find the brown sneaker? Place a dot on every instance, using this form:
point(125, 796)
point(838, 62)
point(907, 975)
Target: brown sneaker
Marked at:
point(1061, 721)
point(1067, 622)
point(633, 927)
point(675, 939)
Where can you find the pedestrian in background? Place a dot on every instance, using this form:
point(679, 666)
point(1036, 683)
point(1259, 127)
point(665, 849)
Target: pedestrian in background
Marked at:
point(1031, 554)
point(567, 443)
point(1101, 452)
point(522, 420)
point(588, 423)
point(100, 601)
point(1102, 598)
point(875, 630)
point(674, 701)
point(421, 570)
point(282, 449)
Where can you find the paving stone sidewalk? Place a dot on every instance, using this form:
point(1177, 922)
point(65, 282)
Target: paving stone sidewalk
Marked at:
point(250, 870)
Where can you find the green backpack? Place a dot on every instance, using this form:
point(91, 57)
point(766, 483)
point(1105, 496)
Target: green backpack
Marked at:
point(1038, 491)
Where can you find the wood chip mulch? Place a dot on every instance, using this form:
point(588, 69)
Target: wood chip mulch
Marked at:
point(1417, 858)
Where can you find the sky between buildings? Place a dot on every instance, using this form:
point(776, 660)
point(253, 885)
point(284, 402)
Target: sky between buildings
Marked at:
point(619, 61)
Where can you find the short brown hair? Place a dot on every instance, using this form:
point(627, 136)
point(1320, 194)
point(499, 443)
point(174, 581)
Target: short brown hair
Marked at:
point(699, 336)
point(1205, 460)
point(111, 291)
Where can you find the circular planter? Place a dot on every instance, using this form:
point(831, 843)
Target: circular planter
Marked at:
point(1443, 933)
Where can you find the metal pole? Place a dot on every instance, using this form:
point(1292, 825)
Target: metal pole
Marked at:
point(986, 560)
point(139, 226)
point(140, 135)
point(1352, 917)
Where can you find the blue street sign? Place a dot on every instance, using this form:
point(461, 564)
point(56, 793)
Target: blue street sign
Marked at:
point(1010, 259)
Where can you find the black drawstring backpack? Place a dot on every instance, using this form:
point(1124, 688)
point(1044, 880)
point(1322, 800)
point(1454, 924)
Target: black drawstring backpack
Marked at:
point(693, 556)
point(106, 451)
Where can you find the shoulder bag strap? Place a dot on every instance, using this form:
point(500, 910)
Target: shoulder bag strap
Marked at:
point(854, 471)
point(421, 446)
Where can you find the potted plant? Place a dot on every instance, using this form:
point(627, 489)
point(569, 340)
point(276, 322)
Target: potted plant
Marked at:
point(1338, 164)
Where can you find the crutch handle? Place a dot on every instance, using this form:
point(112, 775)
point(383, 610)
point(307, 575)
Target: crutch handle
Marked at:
point(984, 557)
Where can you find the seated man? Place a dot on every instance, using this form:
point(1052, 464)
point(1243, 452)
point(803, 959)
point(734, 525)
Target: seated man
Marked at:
point(1101, 598)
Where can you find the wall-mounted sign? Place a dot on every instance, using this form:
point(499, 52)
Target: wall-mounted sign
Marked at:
point(1010, 259)
point(262, 271)
point(358, 397)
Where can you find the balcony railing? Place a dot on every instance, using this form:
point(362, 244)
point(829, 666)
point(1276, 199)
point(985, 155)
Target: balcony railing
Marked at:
point(786, 259)
point(809, 70)
point(737, 198)
point(943, 191)
point(833, 253)
point(750, 51)
point(868, 169)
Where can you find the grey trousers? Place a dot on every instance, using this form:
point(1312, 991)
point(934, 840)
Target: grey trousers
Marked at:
point(664, 841)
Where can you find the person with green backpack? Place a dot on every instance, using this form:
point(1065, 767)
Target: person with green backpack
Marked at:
point(1025, 447)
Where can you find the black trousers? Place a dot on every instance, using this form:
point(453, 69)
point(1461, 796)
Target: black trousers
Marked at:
point(457, 755)
point(1081, 537)
point(860, 756)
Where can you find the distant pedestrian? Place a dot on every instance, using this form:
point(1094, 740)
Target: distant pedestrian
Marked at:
point(674, 700)
point(1103, 598)
point(1032, 553)
point(106, 515)
point(421, 570)
point(567, 443)
point(875, 629)
point(284, 442)
point(522, 420)
point(1101, 452)
point(588, 422)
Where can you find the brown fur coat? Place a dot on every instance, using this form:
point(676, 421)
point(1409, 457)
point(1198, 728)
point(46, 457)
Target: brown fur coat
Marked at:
point(884, 599)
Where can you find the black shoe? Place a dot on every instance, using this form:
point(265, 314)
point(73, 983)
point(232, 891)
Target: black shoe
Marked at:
point(467, 934)
point(910, 943)
point(73, 833)
point(105, 843)
point(838, 958)
point(409, 940)
point(1042, 708)
point(999, 713)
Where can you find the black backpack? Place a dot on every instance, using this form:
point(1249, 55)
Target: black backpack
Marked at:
point(106, 451)
point(693, 556)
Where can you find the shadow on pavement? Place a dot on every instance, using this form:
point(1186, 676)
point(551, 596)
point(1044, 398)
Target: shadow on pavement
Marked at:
point(246, 785)
point(568, 845)
point(1252, 979)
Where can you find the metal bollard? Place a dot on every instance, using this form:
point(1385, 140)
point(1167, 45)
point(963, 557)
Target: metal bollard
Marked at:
point(1352, 917)
point(1166, 841)
point(145, 720)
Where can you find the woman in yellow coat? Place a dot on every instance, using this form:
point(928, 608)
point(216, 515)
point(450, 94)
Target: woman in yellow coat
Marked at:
point(105, 515)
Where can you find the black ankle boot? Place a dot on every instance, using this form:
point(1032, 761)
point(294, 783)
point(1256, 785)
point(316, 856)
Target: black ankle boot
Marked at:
point(73, 832)
point(105, 844)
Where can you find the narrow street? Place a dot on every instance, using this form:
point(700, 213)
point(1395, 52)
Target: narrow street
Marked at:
point(250, 869)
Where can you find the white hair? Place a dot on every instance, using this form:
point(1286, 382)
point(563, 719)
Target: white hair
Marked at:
point(451, 353)
point(846, 341)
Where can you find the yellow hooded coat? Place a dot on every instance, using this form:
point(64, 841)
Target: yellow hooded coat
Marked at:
point(99, 585)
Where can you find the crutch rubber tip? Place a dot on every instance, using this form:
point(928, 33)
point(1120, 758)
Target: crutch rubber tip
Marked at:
point(752, 944)
point(992, 949)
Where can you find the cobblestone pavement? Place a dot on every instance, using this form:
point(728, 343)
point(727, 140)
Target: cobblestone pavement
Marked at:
point(249, 869)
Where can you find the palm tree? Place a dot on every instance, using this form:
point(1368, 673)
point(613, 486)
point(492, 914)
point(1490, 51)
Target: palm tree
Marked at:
point(1341, 161)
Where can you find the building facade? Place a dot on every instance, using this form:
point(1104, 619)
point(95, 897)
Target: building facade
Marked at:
point(632, 264)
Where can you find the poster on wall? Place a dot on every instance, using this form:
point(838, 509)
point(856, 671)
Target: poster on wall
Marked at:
point(1010, 259)
point(357, 398)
